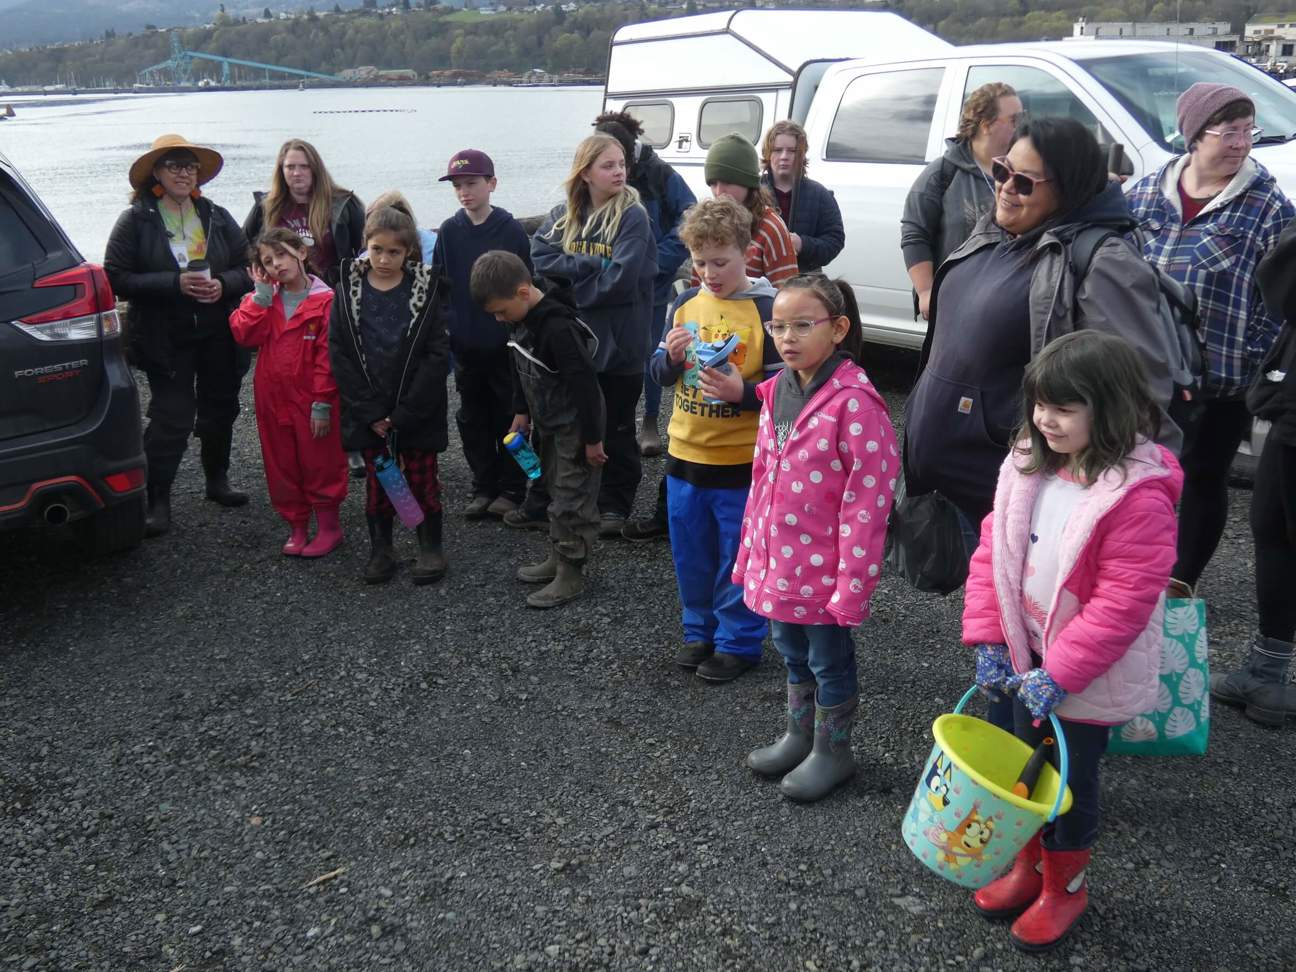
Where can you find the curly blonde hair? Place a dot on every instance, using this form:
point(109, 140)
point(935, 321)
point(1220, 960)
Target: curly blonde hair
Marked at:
point(716, 222)
point(982, 106)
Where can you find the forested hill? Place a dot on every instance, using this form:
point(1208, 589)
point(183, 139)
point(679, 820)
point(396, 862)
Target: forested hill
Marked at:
point(440, 39)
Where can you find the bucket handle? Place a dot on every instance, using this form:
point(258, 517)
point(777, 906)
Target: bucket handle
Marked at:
point(1063, 757)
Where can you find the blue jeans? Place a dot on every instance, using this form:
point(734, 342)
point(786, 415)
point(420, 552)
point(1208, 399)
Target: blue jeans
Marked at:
point(705, 525)
point(653, 391)
point(1077, 829)
point(822, 652)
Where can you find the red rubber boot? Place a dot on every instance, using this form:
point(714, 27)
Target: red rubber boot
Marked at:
point(1061, 903)
point(1010, 895)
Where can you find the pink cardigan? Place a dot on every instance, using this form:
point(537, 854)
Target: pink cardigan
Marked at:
point(1102, 634)
point(815, 524)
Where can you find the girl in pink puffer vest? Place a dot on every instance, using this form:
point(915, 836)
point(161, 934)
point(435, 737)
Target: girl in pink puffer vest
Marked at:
point(815, 525)
point(1065, 596)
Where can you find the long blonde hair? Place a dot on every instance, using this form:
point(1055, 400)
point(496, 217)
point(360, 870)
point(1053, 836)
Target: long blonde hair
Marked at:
point(319, 214)
point(581, 219)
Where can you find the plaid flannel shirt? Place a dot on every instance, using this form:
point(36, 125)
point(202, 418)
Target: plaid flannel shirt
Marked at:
point(1216, 254)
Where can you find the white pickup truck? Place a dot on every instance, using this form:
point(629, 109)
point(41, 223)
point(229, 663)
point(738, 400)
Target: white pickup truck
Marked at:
point(878, 95)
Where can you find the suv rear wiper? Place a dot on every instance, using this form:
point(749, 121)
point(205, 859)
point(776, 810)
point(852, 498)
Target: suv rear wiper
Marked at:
point(1275, 139)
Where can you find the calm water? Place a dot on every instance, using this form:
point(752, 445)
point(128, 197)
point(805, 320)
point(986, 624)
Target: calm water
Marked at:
point(76, 154)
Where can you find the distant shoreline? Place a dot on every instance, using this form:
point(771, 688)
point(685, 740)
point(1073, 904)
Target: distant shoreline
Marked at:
point(309, 85)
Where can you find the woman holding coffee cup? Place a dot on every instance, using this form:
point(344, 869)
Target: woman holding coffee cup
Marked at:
point(180, 261)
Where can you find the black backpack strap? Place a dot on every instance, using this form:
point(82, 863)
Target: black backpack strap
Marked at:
point(1083, 247)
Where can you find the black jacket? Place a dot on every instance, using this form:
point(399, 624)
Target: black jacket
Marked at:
point(1277, 278)
point(459, 244)
point(143, 272)
point(347, 219)
point(943, 206)
point(417, 406)
point(816, 218)
point(554, 358)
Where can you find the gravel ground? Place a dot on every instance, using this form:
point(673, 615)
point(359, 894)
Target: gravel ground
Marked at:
point(192, 734)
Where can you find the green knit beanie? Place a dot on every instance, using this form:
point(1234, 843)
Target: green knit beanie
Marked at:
point(732, 159)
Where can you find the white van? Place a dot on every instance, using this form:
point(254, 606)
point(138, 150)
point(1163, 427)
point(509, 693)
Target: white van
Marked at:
point(876, 119)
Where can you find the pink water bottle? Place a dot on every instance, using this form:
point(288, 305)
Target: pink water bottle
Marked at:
point(398, 491)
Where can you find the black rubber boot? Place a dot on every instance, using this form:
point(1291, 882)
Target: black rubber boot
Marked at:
point(431, 563)
point(215, 462)
point(382, 561)
point(793, 746)
point(1261, 686)
point(158, 519)
point(831, 762)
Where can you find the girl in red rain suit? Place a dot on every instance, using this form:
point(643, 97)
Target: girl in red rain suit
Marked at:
point(296, 397)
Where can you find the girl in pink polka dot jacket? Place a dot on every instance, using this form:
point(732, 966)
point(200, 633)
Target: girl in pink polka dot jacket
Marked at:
point(823, 479)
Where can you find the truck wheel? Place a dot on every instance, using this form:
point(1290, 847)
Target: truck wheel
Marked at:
point(115, 529)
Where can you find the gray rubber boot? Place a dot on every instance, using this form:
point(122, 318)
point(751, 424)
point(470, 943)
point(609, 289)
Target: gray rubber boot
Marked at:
point(541, 573)
point(831, 762)
point(567, 585)
point(1261, 686)
point(795, 744)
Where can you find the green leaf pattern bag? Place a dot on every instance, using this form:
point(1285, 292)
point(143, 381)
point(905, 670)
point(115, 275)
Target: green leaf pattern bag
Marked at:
point(1180, 723)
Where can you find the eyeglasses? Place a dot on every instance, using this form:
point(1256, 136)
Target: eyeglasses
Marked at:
point(1022, 183)
point(1236, 137)
point(778, 329)
point(176, 168)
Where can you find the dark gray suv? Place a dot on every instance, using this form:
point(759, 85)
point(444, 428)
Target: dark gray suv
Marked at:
point(70, 447)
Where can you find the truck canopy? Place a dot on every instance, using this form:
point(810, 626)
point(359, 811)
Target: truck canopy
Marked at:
point(753, 48)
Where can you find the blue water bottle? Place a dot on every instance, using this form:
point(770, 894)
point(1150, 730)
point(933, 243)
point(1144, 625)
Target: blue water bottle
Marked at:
point(397, 489)
point(523, 454)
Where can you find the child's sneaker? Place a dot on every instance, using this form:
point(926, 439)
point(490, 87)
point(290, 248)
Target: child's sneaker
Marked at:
point(520, 519)
point(501, 506)
point(478, 508)
point(693, 654)
point(724, 666)
point(611, 525)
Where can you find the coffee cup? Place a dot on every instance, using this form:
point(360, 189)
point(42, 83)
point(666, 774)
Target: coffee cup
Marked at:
point(199, 266)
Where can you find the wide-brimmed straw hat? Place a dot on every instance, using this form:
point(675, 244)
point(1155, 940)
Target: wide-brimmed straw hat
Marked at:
point(209, 160)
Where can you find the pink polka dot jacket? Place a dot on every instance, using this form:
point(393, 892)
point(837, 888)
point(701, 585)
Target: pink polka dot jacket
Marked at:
point(814, 528)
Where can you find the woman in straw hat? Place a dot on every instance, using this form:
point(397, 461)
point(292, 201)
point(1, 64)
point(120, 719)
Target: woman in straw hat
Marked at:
point(180, 261)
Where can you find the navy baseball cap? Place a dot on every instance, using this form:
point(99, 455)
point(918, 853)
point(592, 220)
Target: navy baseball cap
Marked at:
point(469, 162)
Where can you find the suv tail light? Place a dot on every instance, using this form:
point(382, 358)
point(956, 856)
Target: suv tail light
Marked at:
point(91, 313)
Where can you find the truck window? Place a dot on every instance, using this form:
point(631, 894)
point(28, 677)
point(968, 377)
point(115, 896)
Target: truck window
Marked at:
point(1148, 85)
point(720, 116)
point(657, 119)
point(1041, 94)
point(885, 117)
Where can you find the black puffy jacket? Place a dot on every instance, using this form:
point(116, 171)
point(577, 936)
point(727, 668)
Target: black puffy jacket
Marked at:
point(417, 406)
point(346, 223)
point(143, 271)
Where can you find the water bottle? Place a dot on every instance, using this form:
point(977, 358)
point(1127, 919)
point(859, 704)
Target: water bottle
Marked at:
point(398, 491)
point(523, 454)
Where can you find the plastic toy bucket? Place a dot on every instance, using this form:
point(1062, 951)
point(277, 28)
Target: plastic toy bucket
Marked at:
point(964, 822)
